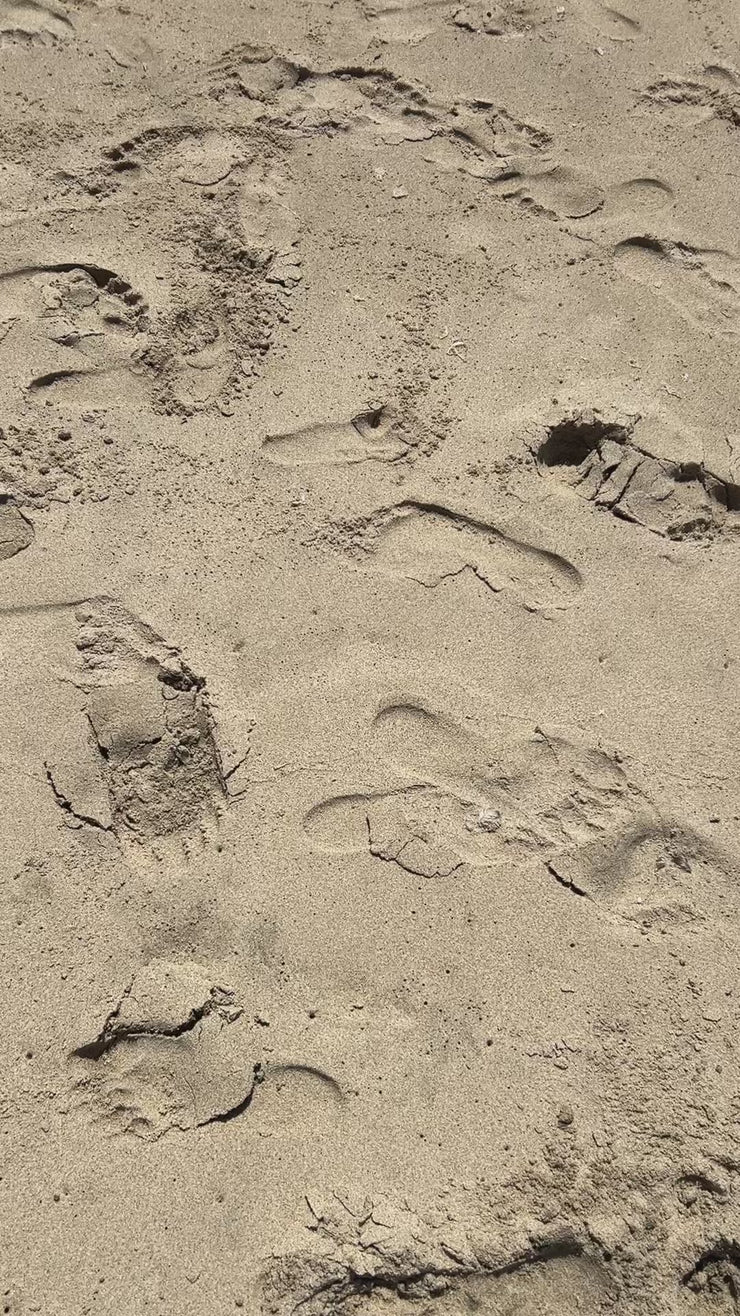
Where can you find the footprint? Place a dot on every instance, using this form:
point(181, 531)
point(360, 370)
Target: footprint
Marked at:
point(654, 874)
point(561, 192)
point(256, 72)
point(382, 107)
point(714, 1280)
point(370, 436)
point(33, 20)
point(270, 223)
point(428, 543)
point(638, 198)
point(548, 1287)
point(550, 1282)
point(16, 531)
point(167, 1057)
point(468, 803)
point(607, 462)
point(151, 725)
point(498, 19)
point(68, 323)
point(614, 22)
point(200, 355)
point(556, 191)
point(424, 831)
point(703, 286)
point(405, 21)
point(698, 101)
point(205, 160)
point(544, 791)
point(294, 1099)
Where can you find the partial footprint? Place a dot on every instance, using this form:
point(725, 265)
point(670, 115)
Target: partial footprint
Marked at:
point(429, 543)
point(637, 198)
point(608, 462)
point(16, 531)
point(166, 1057)
point(370, 436)
point(501, 19)
point(469, 803)
point(714, 1279)
point(538, 793)
point(151, 725)
point(296, 1099)
point(67, 323)
point(552, 1287)
point(549, 1282)
point(425, 831)
point(33, 20)
point(614, 22)
point(405, 21)
point(657, 875)
point(697, 100)
point(702, 286)
point(270, 223)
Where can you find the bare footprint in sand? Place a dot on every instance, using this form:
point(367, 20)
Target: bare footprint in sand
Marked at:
point(502, 19)
point(369, 436)
point(405, 21)
point(716, 96)
point(613, 463)
point(167, 1057)
point(552, 1287)
point(425, 831)
point(619, 22)
point(428, 543)
point(554, 190)
point(638, 199)
point(562, 192)
point(702, 286)
point(71, 326)
point(33, 20)
point(658, 875)
point(470, 803)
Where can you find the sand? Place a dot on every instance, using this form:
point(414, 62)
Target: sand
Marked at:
point(369, 657)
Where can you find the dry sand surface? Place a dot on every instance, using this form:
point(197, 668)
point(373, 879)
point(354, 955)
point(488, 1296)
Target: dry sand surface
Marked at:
point(370, 644)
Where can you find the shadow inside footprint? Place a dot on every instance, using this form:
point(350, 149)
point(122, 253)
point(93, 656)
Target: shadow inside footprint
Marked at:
point(551, 1282)
point(604, 462)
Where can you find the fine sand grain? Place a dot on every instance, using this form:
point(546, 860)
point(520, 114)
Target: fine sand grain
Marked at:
point(370, 657)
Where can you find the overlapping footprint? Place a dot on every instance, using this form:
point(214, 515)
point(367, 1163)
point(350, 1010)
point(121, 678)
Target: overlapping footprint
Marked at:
point(540, 797)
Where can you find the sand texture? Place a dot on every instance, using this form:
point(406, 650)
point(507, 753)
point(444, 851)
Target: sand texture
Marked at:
point(370, 657)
